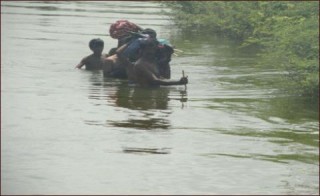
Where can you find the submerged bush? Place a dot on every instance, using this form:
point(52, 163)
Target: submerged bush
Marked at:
point(286, 32)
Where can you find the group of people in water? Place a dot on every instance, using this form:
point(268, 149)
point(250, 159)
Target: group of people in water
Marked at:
point(139, 57)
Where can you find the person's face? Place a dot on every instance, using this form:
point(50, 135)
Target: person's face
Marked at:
point(98, 49)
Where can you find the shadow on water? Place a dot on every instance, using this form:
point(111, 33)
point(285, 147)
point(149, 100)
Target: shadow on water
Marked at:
point(146, 150)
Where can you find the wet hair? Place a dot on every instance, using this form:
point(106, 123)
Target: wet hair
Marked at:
point(96, 43)
point(150, 32)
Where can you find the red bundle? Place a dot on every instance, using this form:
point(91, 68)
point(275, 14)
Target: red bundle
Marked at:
point(121, 29)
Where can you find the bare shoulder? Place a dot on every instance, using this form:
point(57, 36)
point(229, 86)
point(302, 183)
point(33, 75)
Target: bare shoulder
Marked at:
point(87, 58)
point(105, 55)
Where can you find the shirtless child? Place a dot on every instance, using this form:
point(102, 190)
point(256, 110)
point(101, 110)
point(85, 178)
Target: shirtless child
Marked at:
point(95, 60)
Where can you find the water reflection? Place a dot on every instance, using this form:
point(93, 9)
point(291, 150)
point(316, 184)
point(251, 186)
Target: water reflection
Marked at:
point(183, 97)
point(152, 105)
point(282, 137)
point(308, 158)
point(95, 84)
point(147, 107)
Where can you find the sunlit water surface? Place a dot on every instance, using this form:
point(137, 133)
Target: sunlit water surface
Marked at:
point(68, 131)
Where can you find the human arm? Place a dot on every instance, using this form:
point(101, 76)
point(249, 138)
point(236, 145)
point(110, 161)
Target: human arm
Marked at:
point(121, 56)
point(120, 50)
point(148, 78)
point(81, 64)
point(166, 82)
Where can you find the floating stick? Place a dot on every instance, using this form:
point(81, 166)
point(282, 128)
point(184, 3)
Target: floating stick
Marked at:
point(177, 50)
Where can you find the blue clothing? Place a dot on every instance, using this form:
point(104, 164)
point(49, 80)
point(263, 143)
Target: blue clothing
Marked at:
point(132, 51)
point(133, 48)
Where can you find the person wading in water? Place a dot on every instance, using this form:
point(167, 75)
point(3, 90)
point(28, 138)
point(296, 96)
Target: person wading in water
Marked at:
point(146, 71)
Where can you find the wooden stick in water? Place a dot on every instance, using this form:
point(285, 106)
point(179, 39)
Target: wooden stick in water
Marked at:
point(177, 50)
point(185, 86)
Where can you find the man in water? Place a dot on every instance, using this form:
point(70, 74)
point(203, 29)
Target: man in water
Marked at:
point(131, 52)
point(132, 48)
point(146, 69)
point(95, 60)
point(120, 64)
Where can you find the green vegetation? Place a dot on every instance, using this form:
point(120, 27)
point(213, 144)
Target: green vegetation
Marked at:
point(286, 33)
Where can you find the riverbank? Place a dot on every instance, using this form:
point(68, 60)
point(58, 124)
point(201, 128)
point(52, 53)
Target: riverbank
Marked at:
point(286, 35)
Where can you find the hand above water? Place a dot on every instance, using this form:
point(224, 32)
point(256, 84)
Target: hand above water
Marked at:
point(184, 80)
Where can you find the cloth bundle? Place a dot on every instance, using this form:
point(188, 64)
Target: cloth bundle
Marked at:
point(122, 28)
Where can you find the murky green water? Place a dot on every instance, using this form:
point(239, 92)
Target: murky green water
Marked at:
point(67, 131)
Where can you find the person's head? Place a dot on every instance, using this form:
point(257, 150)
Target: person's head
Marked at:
point(96, 45)
point(150, 47)
point(150, 32)
point(164, 54)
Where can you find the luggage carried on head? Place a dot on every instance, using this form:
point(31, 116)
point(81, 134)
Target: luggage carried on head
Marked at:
point(123, 28)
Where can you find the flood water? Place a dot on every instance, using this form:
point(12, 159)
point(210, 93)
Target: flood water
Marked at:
point(69, 131)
